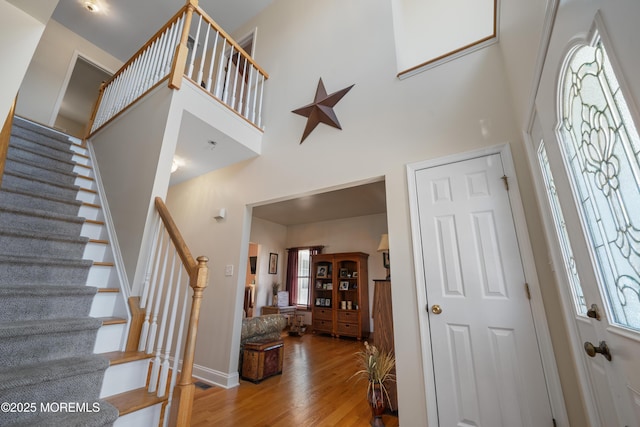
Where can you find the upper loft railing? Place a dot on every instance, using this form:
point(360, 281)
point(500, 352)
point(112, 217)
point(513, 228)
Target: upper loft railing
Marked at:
point(191, 45)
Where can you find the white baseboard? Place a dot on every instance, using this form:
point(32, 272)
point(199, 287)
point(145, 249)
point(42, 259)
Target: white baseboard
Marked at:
point(221, 379)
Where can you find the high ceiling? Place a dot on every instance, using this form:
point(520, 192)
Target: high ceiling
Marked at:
point(121, 27)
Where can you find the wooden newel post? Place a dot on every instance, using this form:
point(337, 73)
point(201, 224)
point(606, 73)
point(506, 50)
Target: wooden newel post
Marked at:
point(184, 391)
point(182, 50)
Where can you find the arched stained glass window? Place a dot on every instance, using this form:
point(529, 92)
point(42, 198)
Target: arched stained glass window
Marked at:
point(601, 151)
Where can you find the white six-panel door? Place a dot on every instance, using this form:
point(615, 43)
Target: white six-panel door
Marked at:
point(486, 361)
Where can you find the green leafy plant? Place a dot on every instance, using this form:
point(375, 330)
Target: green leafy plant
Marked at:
point(376, 367)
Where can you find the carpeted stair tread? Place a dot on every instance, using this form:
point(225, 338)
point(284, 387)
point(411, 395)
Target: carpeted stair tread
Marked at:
point(31, 302)
point(42, 327)
point(41, 221)
point(51, 173)
point(50, 371)
point(41, 135)
point(46, 290)
point(45, 202)
point(10, 258)
point(31, 154)
point(18, 174)
point(49, 236)
point(20, 123)
point(105, 417)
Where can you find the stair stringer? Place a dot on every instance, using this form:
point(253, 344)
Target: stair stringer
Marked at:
point(102, 249)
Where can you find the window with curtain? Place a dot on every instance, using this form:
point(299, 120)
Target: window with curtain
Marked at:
point(299, 274)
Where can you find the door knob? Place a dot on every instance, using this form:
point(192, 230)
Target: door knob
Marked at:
point(436, 309)
point(603, 349)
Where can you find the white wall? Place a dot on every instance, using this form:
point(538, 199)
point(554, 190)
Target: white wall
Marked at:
point(270, 237)
point(48, 70)
point(20, 33)
point(387, 123)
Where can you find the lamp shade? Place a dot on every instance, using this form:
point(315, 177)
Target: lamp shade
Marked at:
point(384, 243)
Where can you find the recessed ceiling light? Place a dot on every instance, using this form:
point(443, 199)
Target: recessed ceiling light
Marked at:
point(92, 6)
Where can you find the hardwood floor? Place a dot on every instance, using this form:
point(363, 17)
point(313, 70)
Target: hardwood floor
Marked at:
point(315, 389)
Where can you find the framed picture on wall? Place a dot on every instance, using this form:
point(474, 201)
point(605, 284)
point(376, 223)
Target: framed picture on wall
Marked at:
point(323, 272)
point(273, 263)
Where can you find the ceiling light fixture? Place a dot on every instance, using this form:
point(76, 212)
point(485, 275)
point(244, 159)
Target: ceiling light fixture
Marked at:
point(175, 164)
point(92, 6)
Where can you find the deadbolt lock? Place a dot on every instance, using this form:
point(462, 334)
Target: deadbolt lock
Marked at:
point(593, 312)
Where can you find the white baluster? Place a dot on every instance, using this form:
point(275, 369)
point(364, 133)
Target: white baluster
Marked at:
point(157, 63)
point(236, 74)
point(177, 354)
point(175, 41)
point(148, 70)
point(242, 85)
point(212, 62)
point(195, 48)
point(155, 371)
point(144, 334)
point(164, 374)
point(165, 65)
point(259, 121)
point(255, 97)
point(225, 95)
point(204, 55)
point(219, 80)
point(153, 329)
point(152, 253)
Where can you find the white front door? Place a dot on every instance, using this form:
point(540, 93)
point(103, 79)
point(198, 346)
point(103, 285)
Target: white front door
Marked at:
point(486, 361)
point(588, 157)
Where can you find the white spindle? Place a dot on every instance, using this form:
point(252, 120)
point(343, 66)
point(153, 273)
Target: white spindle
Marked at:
point(175, 41)
point(225, 95)
point(196, 41)
point(153, 328)
point(177, 354)
point(242, 85)
point(236, 74)
point(255, 98)
point(261, 83)
point(144, 334)
point(164, 374)
point(212, 62)
point(204, 55)
point(157, 64)
point(169, 49)
point(155, 371)
point(148, 72)
point(152, 252)
point(250, 97)
point(220, 80)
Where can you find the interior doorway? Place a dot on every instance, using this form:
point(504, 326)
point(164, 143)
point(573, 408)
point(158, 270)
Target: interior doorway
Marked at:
point(78, 96)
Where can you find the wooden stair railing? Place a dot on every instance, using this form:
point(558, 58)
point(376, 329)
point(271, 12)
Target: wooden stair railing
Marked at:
point(155, 316)
point(183, 48)
point(5, 136)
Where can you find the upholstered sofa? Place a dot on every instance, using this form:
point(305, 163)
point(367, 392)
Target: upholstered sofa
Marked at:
point(262, 328)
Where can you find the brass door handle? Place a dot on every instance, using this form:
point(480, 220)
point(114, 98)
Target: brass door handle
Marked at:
point(436, 309)
point(592, 350)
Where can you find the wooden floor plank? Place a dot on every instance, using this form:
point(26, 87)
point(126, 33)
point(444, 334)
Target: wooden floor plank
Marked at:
point(316, 389)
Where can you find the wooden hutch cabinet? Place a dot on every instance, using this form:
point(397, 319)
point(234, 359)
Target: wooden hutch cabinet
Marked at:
point(340, 297)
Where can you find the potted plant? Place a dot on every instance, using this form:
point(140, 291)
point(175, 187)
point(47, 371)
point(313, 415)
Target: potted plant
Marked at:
point(376, 367)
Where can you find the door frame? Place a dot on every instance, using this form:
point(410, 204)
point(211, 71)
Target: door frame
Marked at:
point(549, 366)
point(67, 78)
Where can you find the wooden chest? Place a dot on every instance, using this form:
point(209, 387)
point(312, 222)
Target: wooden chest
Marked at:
point(262, 360)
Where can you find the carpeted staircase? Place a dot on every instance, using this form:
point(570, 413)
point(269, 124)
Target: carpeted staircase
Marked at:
point(46, 335)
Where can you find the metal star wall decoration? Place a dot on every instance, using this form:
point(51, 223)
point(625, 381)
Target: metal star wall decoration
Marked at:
point(321, 109)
